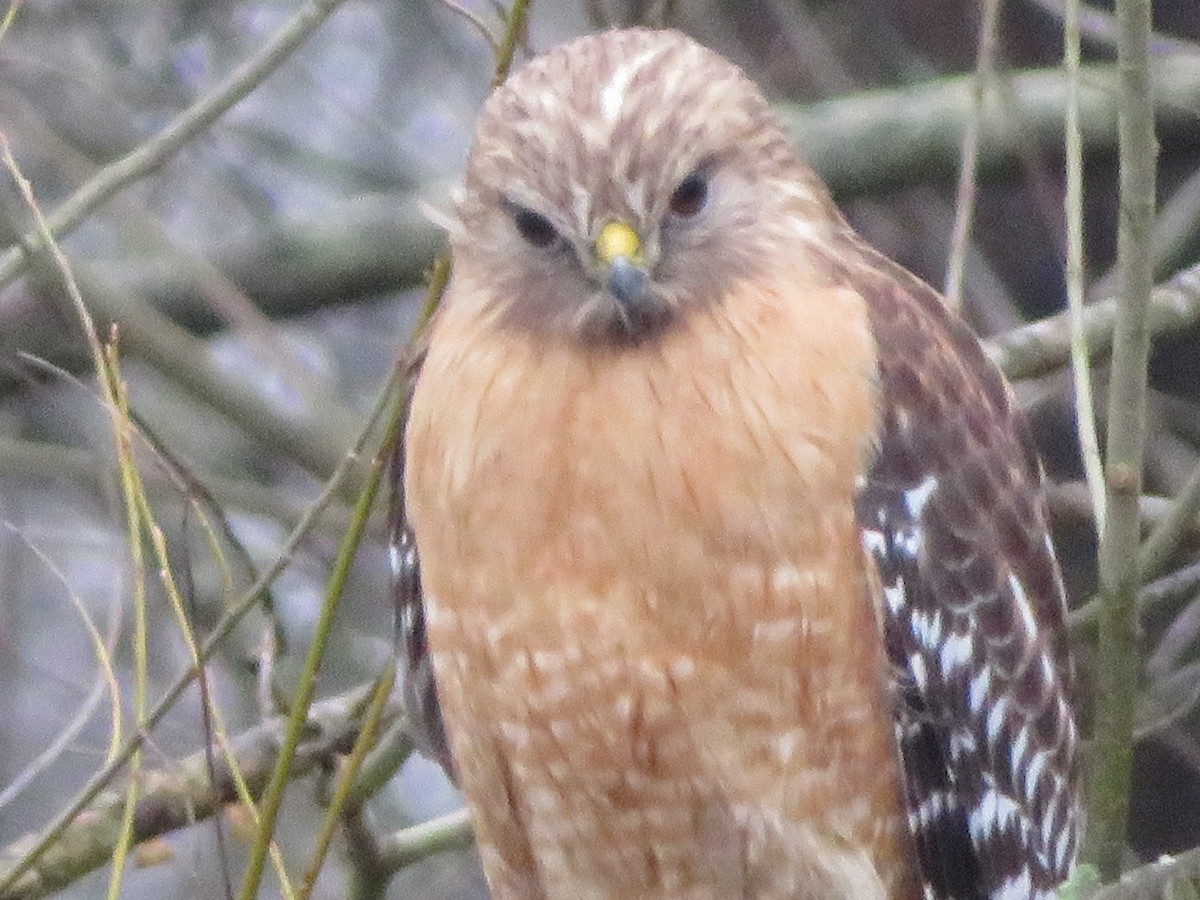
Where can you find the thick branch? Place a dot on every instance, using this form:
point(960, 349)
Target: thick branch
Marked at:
point(182, 794)
point(1111, 760)
point(870, 142)
point(1152, 880)
point(1043, 346)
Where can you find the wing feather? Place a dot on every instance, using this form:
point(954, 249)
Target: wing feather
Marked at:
point(971, 604)
point(418, 690)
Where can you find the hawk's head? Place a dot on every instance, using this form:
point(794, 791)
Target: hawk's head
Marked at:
point(622, 177)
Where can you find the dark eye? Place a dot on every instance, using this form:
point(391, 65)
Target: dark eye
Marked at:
point(690, 196)
point(535, 228)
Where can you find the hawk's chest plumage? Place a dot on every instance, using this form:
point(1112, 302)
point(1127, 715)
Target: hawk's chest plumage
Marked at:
point(645, 597)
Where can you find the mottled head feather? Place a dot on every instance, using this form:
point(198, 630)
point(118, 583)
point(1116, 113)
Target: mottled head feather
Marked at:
point(607, 127)
point(610, 123)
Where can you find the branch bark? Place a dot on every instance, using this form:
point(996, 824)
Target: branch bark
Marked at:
point(183, 794)
point(1111, 758)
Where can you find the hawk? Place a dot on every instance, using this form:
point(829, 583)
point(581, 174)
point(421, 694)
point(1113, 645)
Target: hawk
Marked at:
point(722, 557)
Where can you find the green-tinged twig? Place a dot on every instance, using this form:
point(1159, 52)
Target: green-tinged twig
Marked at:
point(370, 876)
point(397, 388)
point(438, 280)
point(515, 25)
point(366, 877)
point(377, 857)
point(139, 518)
point(1111, 756)
point(114, 390)
point(475, 22)
point(516, 21)
point(214, 520)
point(1071, 506)
point(192, 121)
point(273, 796)
point(10, 16)
point(104, 360)
point(347, 778)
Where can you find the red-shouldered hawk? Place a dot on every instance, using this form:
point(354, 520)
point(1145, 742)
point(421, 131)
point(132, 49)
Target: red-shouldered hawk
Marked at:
point(734, 573)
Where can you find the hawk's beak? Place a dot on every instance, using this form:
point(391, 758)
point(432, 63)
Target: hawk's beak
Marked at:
point(619, 251)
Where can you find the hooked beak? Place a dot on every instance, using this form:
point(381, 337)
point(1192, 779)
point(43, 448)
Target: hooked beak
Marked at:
point(618, 249)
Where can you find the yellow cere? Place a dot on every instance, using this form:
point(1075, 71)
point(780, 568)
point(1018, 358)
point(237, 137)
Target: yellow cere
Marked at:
point(616, 239)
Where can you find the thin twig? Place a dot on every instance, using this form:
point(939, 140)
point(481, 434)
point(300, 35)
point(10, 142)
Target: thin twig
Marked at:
point(10, 16)
point(475, 22)
point(1154, 715)
point(1174, 584)
point(104, 682)
point(1168, 532)
point(1154, 594)
point(307, 685)
point(347, 777)
point(1081, 369)
point(1101, 27)
point(515, 26)
point(964, 204)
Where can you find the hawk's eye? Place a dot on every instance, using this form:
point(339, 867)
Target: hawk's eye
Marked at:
point(535, 228)
point(690, 196)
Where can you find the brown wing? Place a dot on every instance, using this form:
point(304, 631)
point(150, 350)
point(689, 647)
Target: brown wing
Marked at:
point(972, 607)
point(419, 692)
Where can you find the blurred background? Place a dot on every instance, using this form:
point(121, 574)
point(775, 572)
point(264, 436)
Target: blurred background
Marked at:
point(265, 277)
